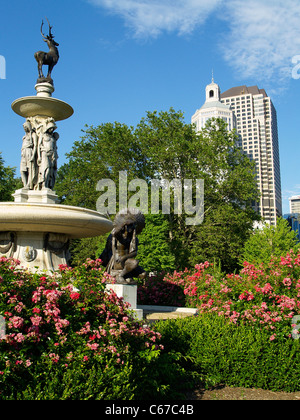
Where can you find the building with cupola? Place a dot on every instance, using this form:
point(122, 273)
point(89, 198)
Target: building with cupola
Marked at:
point(213, 108)
point(251, 112)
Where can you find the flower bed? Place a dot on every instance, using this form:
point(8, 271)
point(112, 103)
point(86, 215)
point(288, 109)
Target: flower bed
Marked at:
point(65, 329)
point(268, 296)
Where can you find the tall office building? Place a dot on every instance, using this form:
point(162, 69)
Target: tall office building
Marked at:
point(295, 204)
point(213, 108)
point(256, 124)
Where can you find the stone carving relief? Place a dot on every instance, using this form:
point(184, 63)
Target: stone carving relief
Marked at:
point(56, 243)
point(29, 253)
point(39, 153)
point(7, 242)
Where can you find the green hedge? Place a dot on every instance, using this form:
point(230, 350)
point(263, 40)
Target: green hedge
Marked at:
point(235, 355)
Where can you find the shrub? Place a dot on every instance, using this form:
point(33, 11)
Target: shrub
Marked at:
point(222, 352)
point(268, 296)
point(68, 338)
point(245, 334)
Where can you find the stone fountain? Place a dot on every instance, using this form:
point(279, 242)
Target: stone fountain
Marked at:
point(35, 229)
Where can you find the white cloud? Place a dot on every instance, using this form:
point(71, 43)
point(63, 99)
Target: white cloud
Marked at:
point(152, 17)
point(264, 36)
point(287, 193)
point(260, 37)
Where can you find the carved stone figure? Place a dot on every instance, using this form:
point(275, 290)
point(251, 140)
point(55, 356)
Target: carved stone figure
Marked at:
point(39, 153)
point(28, 166)
point(49, 58)
point(47, 156)
point(122, 247)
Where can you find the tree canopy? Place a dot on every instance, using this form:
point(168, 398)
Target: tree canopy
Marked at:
point(8, 182)
point(163, 146)
point(268, 242)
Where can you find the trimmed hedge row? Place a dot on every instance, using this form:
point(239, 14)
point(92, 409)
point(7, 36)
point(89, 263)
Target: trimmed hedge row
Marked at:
point(221, 352)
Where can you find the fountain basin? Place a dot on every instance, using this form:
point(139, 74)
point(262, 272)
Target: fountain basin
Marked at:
point(76, 222)
point(38, 235)
point(32, 106)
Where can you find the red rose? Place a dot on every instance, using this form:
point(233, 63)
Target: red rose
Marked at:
point(74, 296)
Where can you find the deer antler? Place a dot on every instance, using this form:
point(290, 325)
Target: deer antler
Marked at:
point(50, 27)
point(42, 30)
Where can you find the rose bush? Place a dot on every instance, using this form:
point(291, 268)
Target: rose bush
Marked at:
point(246, 334)
point(68, 338)
point(268, 296)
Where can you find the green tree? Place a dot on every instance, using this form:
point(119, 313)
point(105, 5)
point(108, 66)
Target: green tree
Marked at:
point(8, 182)
point(230, 188)
point(175, 150)
point(155, 252)
point(163, 146)
point(101, 153)
point(269, 241)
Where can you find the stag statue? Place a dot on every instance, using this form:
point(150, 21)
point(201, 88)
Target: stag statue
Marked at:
point(49, 58)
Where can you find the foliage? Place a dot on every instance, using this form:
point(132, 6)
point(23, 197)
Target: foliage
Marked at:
point(246, 332)
point(101, 153)
point(68, 338)
point(163, 146)
point(8, 182)
point(230, 186)
point(222, 352)
point(154, 251)
point(270, 241)
point(222, 235)
point(84, 248)
point(267, 297)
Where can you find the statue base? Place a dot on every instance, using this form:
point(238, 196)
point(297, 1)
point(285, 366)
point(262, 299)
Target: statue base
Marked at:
point(45, 80)
point(116, 275)
point(45, 196)
point(129, 294)
point(44, 88)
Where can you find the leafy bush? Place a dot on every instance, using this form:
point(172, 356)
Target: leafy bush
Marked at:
point(268, 296)
point(155, 253)
point(268, 242)
point(222, 352)
point(245, 333)
point(68, 338)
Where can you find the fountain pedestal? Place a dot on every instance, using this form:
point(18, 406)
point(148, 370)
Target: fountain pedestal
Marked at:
point(35, 229)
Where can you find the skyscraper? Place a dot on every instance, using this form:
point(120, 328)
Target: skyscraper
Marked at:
point(257, 126)
point(252, 113)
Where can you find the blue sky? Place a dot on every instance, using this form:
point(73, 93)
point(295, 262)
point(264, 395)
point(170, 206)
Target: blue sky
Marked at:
point(121, 58)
